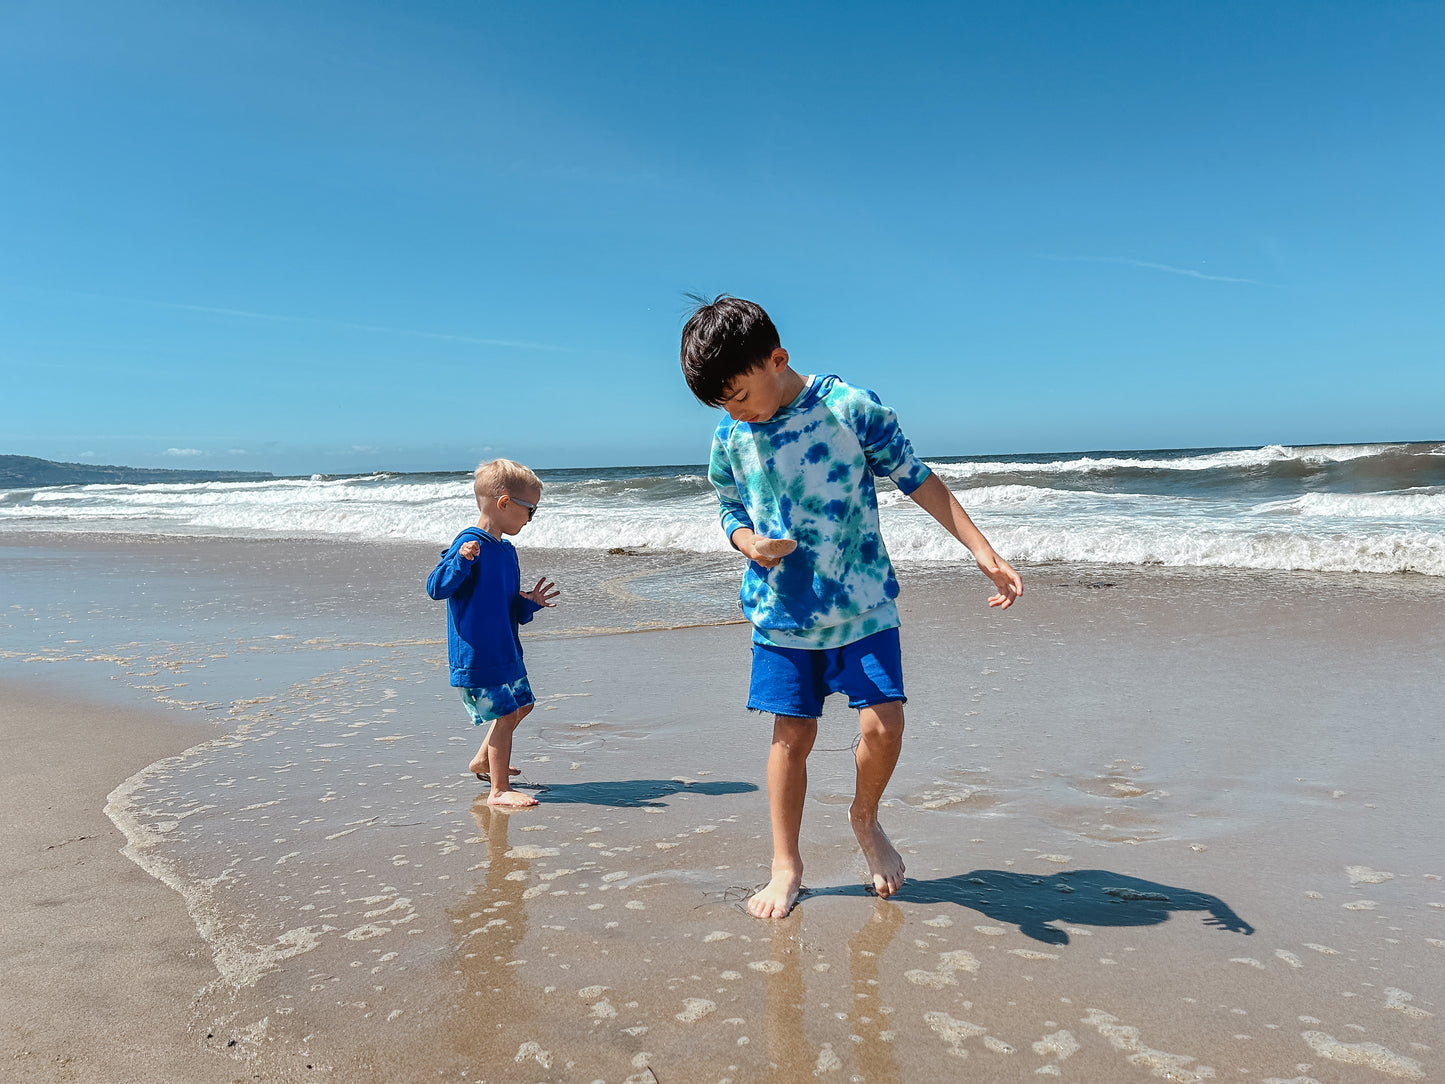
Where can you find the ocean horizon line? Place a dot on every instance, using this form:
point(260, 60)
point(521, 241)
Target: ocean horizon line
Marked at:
point(1040, 456)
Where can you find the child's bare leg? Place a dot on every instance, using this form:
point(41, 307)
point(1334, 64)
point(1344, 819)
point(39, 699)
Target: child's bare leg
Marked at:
point(481, 765)
point(881, 727)
point(499, 755)
point(787, 786)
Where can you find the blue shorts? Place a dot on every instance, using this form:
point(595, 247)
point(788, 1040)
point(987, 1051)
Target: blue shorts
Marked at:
point(794, 681)
point(484, 705)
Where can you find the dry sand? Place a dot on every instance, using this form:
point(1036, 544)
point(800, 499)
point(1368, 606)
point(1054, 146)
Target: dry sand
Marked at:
point(101, 961)
point(1159, 825)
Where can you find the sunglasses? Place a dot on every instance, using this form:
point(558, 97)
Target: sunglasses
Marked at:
point(531, 508)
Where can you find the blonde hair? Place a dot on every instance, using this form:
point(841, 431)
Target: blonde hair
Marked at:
point(494, 477)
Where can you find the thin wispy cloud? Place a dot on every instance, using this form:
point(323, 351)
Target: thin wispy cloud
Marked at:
point(1150, 265)
point(184, 451)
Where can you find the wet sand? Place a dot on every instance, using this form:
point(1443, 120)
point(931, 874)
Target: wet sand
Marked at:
point(1159, 825)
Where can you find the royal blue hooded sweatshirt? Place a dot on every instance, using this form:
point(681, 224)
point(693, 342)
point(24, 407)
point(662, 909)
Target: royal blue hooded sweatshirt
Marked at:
point(484, 609)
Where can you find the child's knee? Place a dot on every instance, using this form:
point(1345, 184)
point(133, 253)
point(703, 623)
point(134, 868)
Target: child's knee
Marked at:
point(882, 720)
point(794, 732)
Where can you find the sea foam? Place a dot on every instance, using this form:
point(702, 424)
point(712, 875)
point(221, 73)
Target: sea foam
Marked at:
point(1366, 508)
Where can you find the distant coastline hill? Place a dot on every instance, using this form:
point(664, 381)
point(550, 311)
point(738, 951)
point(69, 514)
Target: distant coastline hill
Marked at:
point(24, 470)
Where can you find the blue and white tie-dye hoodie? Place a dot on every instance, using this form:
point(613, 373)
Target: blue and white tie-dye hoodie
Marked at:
point(807, 474)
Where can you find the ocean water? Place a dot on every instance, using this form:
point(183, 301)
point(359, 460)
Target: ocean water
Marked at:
point(1372, 508)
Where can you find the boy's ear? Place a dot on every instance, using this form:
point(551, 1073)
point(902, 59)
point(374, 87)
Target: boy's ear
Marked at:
point(778, 359)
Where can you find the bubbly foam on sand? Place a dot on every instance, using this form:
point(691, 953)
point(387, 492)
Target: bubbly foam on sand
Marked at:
point(948, 963)
point(1400, 1001)
point(531, 1049)
point(1060, 1045)
point(694, 1009)
point(1033, 954)
point(1371, 1055)
point(958, 960)
point(953, 1032)
point(935, 979)
point(1364, 875)
point(532, 852)
point(1159, 1063)
point(828, 1061)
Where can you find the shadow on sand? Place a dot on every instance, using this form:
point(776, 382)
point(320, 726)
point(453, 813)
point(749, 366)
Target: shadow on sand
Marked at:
point(1084, 897)
point(630, 792)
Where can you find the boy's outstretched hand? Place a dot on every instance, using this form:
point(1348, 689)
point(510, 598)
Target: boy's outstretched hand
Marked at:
point(546, 591)
point(1009, 585)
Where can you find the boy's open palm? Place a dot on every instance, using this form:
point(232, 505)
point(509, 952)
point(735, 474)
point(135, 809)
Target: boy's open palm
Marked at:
point(543, 593)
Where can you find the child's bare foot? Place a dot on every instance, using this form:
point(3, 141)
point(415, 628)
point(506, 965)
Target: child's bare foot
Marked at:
point(510, 799)
point(774, 547)
point(885, 864)
point(776, 898)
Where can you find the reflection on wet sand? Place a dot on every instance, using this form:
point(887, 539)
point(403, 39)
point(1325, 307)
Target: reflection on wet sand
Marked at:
point(493, 1018)
point(791, 1056)
point(872, 1026)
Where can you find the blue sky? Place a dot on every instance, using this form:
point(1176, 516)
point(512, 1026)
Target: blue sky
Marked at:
point(358, 235)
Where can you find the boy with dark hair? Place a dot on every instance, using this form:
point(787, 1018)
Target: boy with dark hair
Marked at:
point(793, 466)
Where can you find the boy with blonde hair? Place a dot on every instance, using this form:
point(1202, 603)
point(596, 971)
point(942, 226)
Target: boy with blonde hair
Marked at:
point(793, 465)
point(481, 581)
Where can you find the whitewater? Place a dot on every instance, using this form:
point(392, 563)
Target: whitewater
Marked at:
point(1377, 508)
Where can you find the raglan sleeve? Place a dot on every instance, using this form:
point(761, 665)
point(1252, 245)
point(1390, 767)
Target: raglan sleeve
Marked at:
point(887, 451)
point(731, 509)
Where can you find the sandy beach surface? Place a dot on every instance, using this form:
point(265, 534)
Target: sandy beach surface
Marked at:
point(1159, 825)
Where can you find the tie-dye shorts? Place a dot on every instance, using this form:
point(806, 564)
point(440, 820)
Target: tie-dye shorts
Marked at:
point(495, 701)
